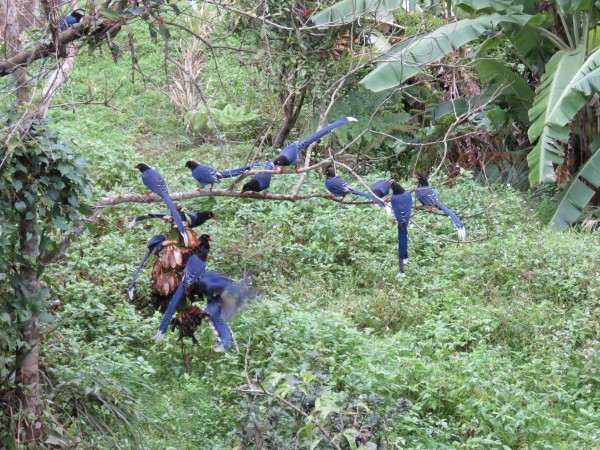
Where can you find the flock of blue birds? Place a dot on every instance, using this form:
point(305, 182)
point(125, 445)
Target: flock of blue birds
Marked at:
point(224, 295)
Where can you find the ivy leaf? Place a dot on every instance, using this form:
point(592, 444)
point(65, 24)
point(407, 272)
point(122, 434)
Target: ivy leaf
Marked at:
point(109, 13)
point(45, 317)
point(164, 31)
point(61, 223)
point(20, 206)
point(153, 32)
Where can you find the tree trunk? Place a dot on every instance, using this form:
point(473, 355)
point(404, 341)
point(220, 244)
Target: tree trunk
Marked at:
point(27, 355)
point(27, 366)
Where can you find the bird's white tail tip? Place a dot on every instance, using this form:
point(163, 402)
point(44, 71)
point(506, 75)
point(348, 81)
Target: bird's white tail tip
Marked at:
point(388, 210)
point(131, 294)
point(159, 336)
point(186, 241)
point(131, 224)
point(401, 275)
point(351, 119)
point(462, 234)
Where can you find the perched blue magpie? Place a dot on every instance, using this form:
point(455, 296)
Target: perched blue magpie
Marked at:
point(402, 207)
point(225, 297)
point(291, 153)
point(259, 182)
point(340, 188)
point(381, 188)
point(193, 219)
point(194, 268)
point(207, 175)
point(70, 20)
point(156, 183)
point(428, 197)
point(155, 245)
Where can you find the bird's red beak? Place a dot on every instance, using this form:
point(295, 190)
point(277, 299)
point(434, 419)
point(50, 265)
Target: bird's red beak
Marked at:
point(215, 217)
point(209, 239)
point(137, 166)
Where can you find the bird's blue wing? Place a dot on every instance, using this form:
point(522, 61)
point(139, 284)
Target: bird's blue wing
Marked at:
point(206, 175)
point(427, 196)
point(337, 186)
point(402, 207)
point(381, 185)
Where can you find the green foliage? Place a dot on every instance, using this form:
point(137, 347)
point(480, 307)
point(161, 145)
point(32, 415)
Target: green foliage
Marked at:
point(44, 183)
point(230, 118)
point(492, 344)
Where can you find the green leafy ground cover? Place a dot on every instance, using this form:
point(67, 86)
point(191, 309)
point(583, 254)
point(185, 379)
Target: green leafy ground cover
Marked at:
point(492, 344)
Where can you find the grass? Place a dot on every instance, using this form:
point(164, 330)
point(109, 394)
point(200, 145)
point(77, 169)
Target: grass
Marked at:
point(492, 344)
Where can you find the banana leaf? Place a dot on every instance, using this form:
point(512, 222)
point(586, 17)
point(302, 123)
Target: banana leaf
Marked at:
point(348, 11)
point(512, 88)
point(579, 193)
point(404, 61)
point(565, 86)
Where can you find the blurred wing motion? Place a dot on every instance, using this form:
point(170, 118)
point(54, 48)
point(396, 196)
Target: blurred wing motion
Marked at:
point(225, 298)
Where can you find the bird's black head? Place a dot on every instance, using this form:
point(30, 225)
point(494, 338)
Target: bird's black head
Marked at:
point(329, 171)
point(78, 14)
point(205, 239)
point(142, 167)
point(191, 164)
point(397, 189)
point(251, 185)
point(206, 215)
point(281, 161)
point(422, 179)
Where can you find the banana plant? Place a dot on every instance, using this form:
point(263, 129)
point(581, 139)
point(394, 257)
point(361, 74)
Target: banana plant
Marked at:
point(556, 42)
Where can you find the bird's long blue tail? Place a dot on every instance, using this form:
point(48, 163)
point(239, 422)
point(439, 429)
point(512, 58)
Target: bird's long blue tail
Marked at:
point(146, 217)
point(229, 173)
point(375, 199)
point(460, 228)
point(137, 272)
point(323, 131)
point(218, 325)
point(176, 217)
point(402, 245)
point(166, 320)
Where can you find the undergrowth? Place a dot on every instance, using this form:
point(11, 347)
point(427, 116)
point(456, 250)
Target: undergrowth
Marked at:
point(489, 344)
